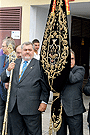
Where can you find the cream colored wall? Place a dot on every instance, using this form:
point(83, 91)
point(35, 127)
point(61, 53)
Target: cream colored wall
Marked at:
point(81, 0)
point(25, 28)
point(26, 12)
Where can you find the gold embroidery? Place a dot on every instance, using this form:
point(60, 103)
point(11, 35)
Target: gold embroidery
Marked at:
point(53, 55)
point(12, 54)
point(55, 119)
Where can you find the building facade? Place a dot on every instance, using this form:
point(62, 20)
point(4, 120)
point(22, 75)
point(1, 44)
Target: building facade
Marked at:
point(29, 20)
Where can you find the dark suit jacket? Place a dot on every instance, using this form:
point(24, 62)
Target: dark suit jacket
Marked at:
point(72, 94)
point(31, 89)
point(86, 91)
point(3, 91)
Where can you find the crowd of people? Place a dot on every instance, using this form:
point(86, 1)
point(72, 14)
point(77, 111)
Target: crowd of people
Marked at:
point(30, 94)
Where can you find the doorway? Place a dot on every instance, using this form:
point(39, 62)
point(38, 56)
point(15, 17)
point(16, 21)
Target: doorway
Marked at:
point(81, 52)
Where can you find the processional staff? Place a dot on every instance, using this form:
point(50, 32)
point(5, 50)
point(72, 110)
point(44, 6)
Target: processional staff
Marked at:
point(12, 58)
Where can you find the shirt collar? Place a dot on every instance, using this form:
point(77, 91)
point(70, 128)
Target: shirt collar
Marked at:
point(24, 60)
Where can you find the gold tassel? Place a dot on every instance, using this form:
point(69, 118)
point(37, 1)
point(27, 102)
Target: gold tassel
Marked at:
point(53, 125)
point(50, 127)
point(60, 119)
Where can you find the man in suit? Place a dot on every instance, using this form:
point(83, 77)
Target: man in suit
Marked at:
point(86, 91)
point(72, 102)
point(4, 61)
point(29, 93)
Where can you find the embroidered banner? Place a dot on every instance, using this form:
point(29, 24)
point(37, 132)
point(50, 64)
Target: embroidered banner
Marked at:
point(55, 50)
point(55, 57)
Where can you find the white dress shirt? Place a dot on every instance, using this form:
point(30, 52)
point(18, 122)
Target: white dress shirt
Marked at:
point(37, 56)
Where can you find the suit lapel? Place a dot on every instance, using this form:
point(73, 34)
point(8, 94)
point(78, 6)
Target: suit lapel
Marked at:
point(18, 63)
point(3, 61)
point(28, 70)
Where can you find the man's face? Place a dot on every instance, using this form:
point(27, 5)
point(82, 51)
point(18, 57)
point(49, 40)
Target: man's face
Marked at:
point(72, 60)
point(18, 52)
point(4, 47)
point(36, 46)
point(27, 52)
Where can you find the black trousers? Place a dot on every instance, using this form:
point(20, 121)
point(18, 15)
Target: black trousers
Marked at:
point(75, 124)
point(2, 110)
point(25, 124)
point(89, 128)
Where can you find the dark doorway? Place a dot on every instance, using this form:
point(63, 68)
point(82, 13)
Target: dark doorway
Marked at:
point(81, 48)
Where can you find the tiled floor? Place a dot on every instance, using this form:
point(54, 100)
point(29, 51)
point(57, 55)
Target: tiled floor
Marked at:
point(46, 118)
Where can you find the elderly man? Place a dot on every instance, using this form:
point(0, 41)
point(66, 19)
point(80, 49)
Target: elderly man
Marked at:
point(72, 101)
point(4, 61)
point(29, 93)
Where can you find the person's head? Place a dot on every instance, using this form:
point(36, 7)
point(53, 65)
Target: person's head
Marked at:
point(36, 44)
point(72, 58)
point(5, 45)
point(9, 38)
point(27, 51)
point(18, 51)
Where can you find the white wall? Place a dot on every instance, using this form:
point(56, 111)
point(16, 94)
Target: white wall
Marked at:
point(38, 18)
point(33, 11)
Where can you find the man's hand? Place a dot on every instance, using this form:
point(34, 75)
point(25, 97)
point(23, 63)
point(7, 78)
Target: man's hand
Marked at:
point(42, 107)
point(6, 85)
point(11, 66)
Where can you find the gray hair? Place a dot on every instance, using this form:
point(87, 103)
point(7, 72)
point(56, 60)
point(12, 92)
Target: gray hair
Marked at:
point(10, 41)
point(27, 43)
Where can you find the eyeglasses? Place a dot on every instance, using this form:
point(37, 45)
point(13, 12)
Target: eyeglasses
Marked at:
point(72, 58)
point(3, 46)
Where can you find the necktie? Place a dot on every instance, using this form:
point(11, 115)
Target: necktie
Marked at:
point(23, 69)
point(6, 59)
